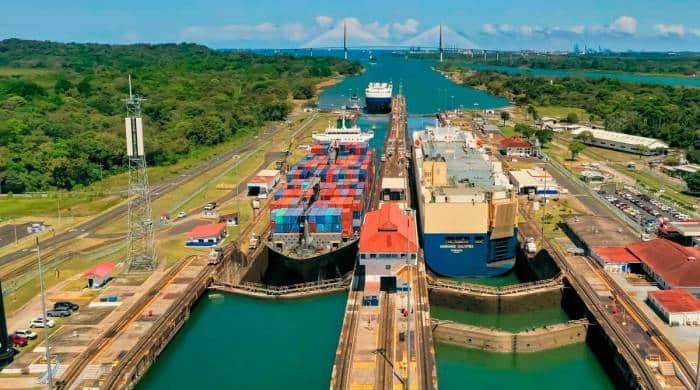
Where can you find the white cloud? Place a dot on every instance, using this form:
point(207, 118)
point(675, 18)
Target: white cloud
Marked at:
point(579, 29)
point(247, 32)
point(667, 30)
point(489, 28)
point(324, 21)
point(409, 26)
point(526, 30)
point(695, 31)
point(624, 25)
point(504, 28)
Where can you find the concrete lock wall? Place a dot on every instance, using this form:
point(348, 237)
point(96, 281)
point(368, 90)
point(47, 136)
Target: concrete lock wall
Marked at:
point(482, 303)
point(540, 339)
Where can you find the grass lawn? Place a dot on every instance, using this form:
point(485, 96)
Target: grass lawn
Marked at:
point(77, 206)
point(562, 112)
point(507, 131)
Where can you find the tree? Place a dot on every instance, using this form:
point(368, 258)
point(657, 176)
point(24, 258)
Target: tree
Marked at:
point(532, 111)
point(642, 150)
point(585, 137)
point(692, 180)
point(576, 147)
point(62, 86)
point(545, 136)
point(527, 131)
point(303, 91)
point(505, 115)
point(572, 117)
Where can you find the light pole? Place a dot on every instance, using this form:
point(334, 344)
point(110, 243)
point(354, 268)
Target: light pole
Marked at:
point(47, 352)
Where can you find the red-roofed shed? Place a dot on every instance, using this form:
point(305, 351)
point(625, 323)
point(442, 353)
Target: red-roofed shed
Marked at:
point(389, 238)
point(614, 258)
point(100, 274)
point(677, 307)
point(670, 264)
point(206, 235)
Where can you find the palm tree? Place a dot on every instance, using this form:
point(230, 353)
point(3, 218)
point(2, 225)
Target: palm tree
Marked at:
point(532, 111)
point(505, 115)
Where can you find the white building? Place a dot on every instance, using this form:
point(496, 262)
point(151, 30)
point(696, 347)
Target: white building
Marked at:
point(535, 180)
point(676, 307)
point(622, 142)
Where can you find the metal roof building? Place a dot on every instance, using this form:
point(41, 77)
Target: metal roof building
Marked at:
point(622, 142)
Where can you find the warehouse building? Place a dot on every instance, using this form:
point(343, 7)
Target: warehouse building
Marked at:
point(670, 264)
point(615, 259)
point(622, 142)
point(676, 307)
point(536, 180)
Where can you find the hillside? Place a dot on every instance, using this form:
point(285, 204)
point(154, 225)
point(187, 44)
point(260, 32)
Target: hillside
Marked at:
point(62, 105)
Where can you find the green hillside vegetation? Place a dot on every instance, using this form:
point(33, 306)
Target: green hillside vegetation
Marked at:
point(62, 105)
point(686, 64)
point(668, 113)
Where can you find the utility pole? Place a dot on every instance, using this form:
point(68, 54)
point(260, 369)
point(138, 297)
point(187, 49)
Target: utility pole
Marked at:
point(47, 349)
point(440, 43)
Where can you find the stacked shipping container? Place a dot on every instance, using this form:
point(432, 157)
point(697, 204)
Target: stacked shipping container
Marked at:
point(344, 185)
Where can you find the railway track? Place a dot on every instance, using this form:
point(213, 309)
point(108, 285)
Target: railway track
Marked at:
point(424, 354)
point(385, 351)
point(643, 373)
point(347, 344)
point(79, 363)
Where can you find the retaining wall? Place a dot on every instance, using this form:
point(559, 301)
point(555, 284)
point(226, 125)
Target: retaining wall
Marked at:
point(512, 303)
point(540, 339)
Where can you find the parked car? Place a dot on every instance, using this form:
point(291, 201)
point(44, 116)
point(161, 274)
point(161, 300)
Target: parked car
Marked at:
point(39, 323)
point(181, 215)
point(65, 305)
point(18, 340)
point(26, 333)
point(210, 206)
point(58, 313)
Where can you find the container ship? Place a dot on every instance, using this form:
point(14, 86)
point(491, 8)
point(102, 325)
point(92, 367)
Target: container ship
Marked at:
point(467, 208)
point(315, 220)
point(378, 98)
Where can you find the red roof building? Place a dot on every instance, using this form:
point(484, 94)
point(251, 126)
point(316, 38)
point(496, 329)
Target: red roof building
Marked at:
point(614, 258)
point(670, 264)
point(519, 146)
point(206, 235)
point(100, 274)
point(676, 307)
point(389, 238)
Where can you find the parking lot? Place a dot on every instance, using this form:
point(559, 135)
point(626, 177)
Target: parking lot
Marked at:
point(642, 208)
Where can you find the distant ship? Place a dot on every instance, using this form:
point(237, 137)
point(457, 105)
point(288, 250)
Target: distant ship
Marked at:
point(372, 58)
point(345, 130)
point(378, 98)
point(467, 207)
point(354, 102)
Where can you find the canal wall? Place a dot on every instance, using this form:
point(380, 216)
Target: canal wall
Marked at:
point(538, 267)
point(534, 340)
point(255, 267)
point(544, 298)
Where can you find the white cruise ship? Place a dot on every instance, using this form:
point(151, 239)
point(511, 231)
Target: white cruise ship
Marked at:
point(378, 98)
point(345, 130)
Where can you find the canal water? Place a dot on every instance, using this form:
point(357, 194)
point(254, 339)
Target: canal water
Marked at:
point(244, 343)
point(626, 77)
point(235, 342)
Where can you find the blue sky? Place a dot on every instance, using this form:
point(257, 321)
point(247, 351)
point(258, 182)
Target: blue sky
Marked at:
point(490, 24)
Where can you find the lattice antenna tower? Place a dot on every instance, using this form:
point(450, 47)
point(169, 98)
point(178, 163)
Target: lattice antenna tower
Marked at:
point(141, 256)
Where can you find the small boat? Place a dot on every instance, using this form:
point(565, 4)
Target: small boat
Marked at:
point(372, 58)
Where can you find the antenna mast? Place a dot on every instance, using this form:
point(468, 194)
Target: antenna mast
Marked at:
point(441, 43)
point(140, 255)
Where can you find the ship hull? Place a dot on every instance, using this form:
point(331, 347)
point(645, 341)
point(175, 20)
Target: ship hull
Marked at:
point(285, 269)
point(377, 105)
point(483, 259)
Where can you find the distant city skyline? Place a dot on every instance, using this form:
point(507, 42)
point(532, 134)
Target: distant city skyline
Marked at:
point(642, 25)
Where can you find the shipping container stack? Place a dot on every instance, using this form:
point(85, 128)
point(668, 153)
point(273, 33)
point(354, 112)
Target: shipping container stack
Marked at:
point(342, 188)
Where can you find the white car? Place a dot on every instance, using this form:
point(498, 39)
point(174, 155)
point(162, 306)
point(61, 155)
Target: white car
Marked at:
point(27, 333)
point(181, 215)
point(39, 323)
